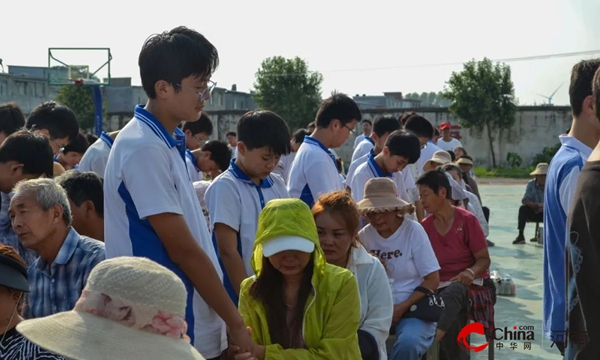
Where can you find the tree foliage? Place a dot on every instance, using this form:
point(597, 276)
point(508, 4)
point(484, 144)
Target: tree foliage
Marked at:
point(79, 99)
point(429, 99)
point(482, 96)
point(287, 87)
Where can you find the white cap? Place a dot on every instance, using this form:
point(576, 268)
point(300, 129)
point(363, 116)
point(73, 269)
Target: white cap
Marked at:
point(283, 243)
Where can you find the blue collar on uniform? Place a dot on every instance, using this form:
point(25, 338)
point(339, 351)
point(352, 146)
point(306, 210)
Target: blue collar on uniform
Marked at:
point(192, 158)
point(147, 118)
point(375, 169)
point(314, 142)
point(107, 139)
point(368, 138)
point(239, 174)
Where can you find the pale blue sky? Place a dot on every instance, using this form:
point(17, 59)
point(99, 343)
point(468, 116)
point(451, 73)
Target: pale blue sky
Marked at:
point(330, 35)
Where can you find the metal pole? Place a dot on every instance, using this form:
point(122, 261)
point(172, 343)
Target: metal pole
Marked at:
point(97, 97)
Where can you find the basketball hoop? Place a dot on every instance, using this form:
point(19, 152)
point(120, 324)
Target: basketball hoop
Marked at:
point(77, 82)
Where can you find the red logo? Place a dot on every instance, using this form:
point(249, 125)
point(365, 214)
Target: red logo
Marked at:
point(476, 328)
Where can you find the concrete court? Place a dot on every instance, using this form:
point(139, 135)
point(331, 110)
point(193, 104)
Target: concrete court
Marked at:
point(523, 263)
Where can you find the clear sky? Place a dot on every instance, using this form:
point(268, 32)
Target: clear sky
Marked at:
point(360, 47)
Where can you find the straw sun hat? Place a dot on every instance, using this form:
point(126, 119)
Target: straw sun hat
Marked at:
point(439, 157)
point(131, 308)
point(381, 195)
point(540, 169)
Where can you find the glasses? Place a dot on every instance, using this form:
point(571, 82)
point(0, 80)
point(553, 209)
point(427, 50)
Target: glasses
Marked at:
point(202, 94)
point(349, 128)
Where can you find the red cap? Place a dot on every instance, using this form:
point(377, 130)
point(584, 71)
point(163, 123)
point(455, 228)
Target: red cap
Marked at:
point(445, 125)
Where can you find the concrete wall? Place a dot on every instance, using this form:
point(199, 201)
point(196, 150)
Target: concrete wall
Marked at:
point(536, 127)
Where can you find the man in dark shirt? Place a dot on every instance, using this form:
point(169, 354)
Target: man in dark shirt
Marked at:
point(583, 257)
point(532, 204)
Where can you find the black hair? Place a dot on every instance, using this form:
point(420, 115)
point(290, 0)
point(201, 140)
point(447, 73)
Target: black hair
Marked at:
point(436, 180)
point(59, 120)
point(384, 124)
point(420, 126)
point(91, 138)
point(82, 187)
point(219, 153)
point(337, 106)
point(452, 167)
point(11, 118)
point(33, 151)
point(202, 125)
point(264, 128)
point(231, 133)
point(367, 121)
point(404, 143)
point(452, 155)
point(299, 135)
point(339, 164)
point(407, 114)
point(175, 55)
point(596, 92)
point(582, 76)
point(79, 144)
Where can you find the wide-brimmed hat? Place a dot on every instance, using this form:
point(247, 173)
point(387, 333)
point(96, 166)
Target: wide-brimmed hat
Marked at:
point(540, 169)
point(381, 195)
point(464, 161)
point(13, 275)
point(131, 308)
point(441, 157)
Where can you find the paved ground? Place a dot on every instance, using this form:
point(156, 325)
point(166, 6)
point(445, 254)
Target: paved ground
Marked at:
point(524, 264)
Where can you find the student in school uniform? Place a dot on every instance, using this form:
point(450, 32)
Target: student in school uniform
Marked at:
point(237, 196)
point(151, 208)
point(425, 131)
point(70, 156)
point(212, 159)
point(196, 134)
point(96, 156)
point(285, 164)
point(401, 148)
point(313, 171)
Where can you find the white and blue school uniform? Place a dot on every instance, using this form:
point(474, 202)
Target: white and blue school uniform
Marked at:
point(96, 155)
point(313, 172)
point(370, 170)
point(146, 175)
point(236, 201)
point(193, 169)
point(363, 148)
point(426, 155)
point(358, 140)
point(561, 181)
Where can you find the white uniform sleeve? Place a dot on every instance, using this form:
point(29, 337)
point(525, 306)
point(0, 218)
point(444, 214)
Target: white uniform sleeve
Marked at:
point(224, 203)
point(361, 150)
point(150, 184)
point(319, 180)
point(95, 161)
point(359, 180)
point(567, 188)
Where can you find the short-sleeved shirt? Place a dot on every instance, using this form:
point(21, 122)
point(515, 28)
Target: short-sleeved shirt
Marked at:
point(146, 175)
point(448, 145)
point(561, 180)
point(96, 155)
point(313, 172)
point(407, 253)
point(534, 192)
point(456, 249)
point(363, 148)
point(193, 169)
point(56, 287)
point(370, 170)
point(234, 200)
point(358, 139)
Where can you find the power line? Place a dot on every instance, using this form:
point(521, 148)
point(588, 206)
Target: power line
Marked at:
point(506, 60)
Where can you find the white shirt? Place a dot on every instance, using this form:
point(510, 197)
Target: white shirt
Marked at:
point(448, 145)
point(426, 155)
point(146, 175)
point(200, 187)
point(313, 172)
point(376, 303)
point(193, 171)
point(358, 139)
point(234, 200)
point(475, 208)
point(283, 167)
point(407, 253)
point(369, 170)
point(96, 155)
point(363, 148)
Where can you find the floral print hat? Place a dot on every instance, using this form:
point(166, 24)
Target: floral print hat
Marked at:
point(131, 308)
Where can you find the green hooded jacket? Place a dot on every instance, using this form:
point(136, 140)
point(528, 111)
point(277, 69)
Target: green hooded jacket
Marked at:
point(332, 311)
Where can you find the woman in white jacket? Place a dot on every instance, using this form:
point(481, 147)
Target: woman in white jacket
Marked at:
point(337, 221)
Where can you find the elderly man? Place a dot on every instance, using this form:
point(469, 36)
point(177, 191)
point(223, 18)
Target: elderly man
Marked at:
point(41, 218)
point(532, 206)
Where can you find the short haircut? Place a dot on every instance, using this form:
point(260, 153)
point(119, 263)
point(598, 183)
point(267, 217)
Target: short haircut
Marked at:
point(33, 151)
point(404, 143)
point(79, 144)
point(231, 133)
point(299, 135)
point(11, 118)
point(582, 75)
point(219, 153)
point(264, 128)
point(436, 180)
point(385, 124)
point(91, 138)
point(368, 121)
point(596, 87)
point(82, 187)
point(59, 120)
point(420, 126)
point(337, 106)
point(175, 55)
point(47, 193)
point(341, 204)
point(202, 125)
point(407, 114)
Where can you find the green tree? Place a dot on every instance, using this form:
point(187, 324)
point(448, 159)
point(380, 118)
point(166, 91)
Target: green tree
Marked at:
point(289, 88)
point(482, 96)
point(79, 99)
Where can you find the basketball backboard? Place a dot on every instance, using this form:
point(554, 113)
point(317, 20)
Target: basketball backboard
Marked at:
point(87, 66)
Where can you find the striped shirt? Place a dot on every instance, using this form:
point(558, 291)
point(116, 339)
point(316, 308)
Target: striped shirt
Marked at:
point(16, 347)
point(56, 287)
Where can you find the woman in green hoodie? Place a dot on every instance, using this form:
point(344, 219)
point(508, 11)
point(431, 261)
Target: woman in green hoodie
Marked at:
point(297, 306)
